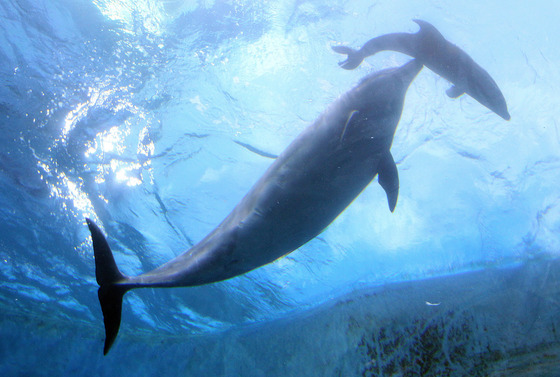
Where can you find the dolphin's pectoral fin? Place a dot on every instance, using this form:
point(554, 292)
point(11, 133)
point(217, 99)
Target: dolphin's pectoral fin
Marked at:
point(256, 150)
point(389, 178)
point(354, 57)
point(454, 92)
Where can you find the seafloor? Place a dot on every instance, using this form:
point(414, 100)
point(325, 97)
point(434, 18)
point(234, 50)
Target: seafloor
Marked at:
point(495, 322)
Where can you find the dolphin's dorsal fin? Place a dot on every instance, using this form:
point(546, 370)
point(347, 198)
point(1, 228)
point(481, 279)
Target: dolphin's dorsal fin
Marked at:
point(454, 92)
point(389, 178)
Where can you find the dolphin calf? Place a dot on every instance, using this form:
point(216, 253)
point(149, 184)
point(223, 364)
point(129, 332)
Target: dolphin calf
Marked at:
point(318, 175)
point(440, 56)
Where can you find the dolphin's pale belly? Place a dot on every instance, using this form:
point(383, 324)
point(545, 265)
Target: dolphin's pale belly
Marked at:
point(298, 198)
point(322, 171)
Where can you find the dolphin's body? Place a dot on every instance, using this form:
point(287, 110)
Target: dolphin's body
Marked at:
point(440, 56)
point(318, 175)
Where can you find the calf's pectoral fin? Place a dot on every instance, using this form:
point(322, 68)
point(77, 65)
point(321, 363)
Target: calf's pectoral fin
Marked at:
point(454, 92)
point(354, 57)
point(389, 178)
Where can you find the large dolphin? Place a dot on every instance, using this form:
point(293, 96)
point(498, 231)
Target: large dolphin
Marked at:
point(318, 175)
point(439, 55)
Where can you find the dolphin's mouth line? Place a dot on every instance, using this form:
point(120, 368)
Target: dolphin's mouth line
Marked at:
point(346, 124)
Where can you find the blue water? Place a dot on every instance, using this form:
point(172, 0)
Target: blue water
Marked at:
point(138, 115)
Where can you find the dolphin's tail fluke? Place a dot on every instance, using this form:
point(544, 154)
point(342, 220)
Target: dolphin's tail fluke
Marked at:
point(110, 298)
point(354, 59)
point(110, 292)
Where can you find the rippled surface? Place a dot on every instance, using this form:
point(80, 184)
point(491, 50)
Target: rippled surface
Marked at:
point(154, 118)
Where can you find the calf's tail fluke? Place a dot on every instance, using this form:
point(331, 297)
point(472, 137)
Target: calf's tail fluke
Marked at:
point(110, 293)
point(354, 59)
